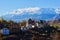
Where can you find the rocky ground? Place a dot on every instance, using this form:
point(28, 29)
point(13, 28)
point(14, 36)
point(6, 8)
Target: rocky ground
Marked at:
point(33, 34)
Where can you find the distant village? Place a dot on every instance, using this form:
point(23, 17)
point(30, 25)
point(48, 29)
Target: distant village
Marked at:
point(10, 27)
point(24, 25)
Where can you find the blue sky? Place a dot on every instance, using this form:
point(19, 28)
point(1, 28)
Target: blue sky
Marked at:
point(9, 5)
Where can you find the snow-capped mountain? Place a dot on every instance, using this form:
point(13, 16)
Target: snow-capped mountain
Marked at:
point(42, 14)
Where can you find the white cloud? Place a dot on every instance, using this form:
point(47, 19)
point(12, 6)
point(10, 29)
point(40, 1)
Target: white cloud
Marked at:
point(57, 10)
point(25, 10)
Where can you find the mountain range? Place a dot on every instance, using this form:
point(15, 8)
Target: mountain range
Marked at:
point(43, 14)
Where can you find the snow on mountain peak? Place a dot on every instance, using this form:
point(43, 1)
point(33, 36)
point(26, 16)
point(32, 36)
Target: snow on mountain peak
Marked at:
point(57, 10)
point(25, 10)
